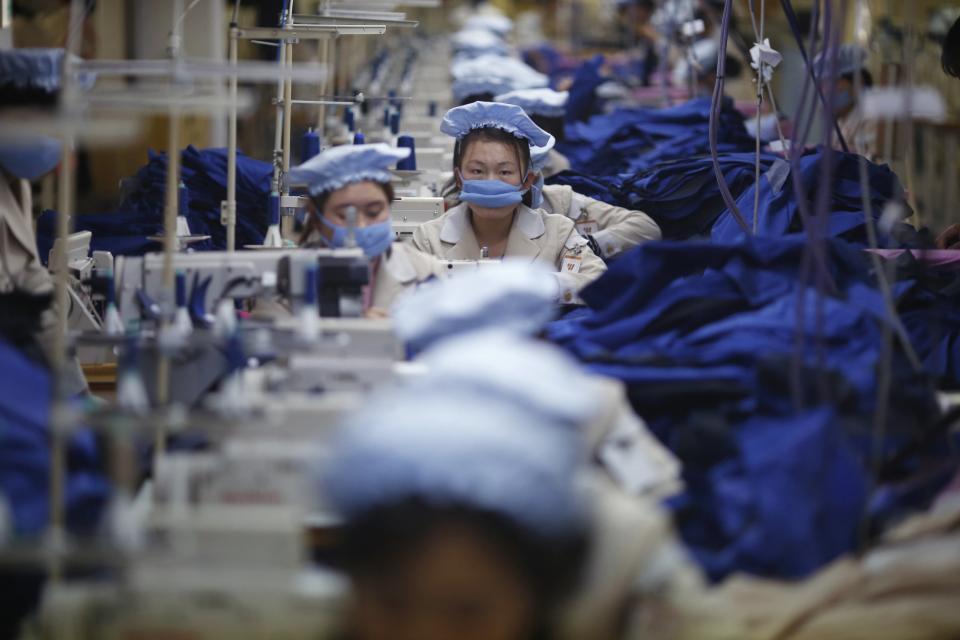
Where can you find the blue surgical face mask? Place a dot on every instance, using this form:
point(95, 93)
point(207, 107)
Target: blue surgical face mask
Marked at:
point(492, 194)
point(30, 158)
point(842, 100)
point(374, 239)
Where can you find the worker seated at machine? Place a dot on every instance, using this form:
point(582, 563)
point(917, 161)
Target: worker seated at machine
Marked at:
point(457, 523)
point(610, 230)
point(859, 134)
point(350, 195)
point(492, 169)
point(28, 78)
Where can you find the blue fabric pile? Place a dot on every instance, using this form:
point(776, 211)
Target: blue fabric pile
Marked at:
point(204, 172)
point(583, 103)
point(776, 448)
point(683, 197)
point(25, 454)
point(634, 139)
point(778, 211)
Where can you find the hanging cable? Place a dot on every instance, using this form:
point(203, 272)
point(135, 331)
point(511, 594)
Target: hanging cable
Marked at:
point(715, 117)
point(758, 33)
point(183, 15)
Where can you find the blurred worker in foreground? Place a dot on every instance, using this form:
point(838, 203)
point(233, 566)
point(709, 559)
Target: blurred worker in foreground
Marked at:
point(28, 77)
point(610, 230)
point(461, 518)
point(860, 135)
point(492, 170)
point(356, 178)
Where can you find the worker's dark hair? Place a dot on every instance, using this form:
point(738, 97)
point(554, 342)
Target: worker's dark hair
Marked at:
point(866, 78)
point(381, 540)
point(950, 55)
point(493, 134)
point(551, 124)
point(640, 4)
point(477, 97)
point(320, 202)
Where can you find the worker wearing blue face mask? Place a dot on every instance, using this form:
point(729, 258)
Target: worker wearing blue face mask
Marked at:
point(28, 78)
point(492, 170)
point(860, 135)
point(610, 230)
point(357, 178)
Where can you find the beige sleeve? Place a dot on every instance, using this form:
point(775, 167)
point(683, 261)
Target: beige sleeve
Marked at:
point(620, 229)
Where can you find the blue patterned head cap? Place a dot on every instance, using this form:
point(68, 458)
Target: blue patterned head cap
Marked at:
point(339, 166)
point(460, 121)
point(458, 443)
point(476, 85)
point(474, 42)
point(40, 70)
point(539, 156)
point(515, 296)
point(497, 24)
point(850, 59)
point(516, 73)
point(537, 102)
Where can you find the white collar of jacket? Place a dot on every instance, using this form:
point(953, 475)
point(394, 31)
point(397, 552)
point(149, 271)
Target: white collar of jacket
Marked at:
point(527, 221)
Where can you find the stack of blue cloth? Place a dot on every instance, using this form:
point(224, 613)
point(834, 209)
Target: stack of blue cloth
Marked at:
point(629, 140)
point(778, 211)
point(140, 214)
point(25, 454)
point(774, 430)
point(204, 172)
point(683, 197)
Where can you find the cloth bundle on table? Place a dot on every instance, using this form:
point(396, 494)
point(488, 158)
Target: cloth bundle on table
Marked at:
point(630, 140)
point(583, 102)
point(705, 337)
point(25, 454)
point(681, 195)
point(140, 214)
point(779, 210)
point(25, 476)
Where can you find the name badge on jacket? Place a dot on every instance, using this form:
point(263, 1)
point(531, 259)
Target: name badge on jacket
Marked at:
point(588, 227)
point(571, 264)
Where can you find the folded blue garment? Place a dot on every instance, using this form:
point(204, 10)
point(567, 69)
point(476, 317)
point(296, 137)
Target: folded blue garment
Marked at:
point(765, 389)
point(778, 212)
point(140, 214)
point(25, 454)
point(681, 195)
point(633, 139)
point(583, 99)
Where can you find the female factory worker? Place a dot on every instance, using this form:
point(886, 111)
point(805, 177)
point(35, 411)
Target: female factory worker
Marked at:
point(610, 230)
point(474, 532)
point(492, 170)
point(358, 176)
point(851, 60)
point(28, 78)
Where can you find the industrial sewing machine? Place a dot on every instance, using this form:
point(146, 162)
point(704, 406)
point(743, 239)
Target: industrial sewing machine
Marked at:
point(409, 213)
point(243, 275)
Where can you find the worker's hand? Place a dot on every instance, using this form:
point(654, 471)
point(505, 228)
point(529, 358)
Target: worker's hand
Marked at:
point(950, 238)
point(376, 313)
